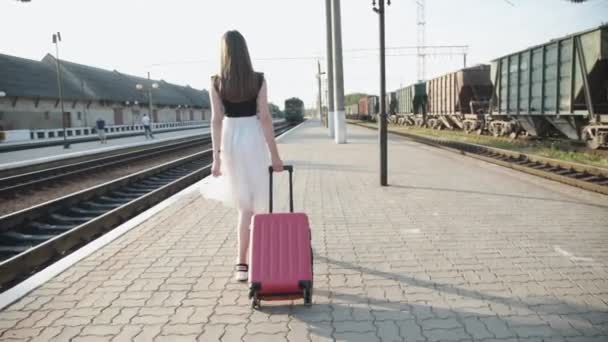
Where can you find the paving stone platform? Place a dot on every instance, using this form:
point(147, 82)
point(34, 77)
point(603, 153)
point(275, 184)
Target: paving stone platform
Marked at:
point(454, 250)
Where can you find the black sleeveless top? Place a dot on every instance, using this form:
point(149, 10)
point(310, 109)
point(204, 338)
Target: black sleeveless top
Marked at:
point(244, 108)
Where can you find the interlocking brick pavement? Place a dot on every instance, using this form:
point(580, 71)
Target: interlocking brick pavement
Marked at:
point(454, 250)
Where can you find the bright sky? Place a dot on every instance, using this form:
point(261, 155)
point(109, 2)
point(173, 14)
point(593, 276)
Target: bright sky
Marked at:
point(178, 40)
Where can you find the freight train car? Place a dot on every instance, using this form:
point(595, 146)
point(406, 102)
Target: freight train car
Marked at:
point(560, 85)
point(459, 99)
point(363, 108)
point(391, 103)
point(373, 107)
point(352, 111)
point(411, 104)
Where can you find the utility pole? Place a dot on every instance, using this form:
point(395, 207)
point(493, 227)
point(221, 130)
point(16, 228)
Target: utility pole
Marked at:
point(150, 100)
point(421, 22)
point(330, 71)
point(325, 98)
point(320, 100)
point(56, 40)
point(382, 117)
point(340, 119)
point(148, 89)
point(84, 109)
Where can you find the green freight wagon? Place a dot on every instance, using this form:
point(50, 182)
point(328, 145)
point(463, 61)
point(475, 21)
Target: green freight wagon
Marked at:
point(560, 85)
point(411, 104)
point(411, 99)
point(391, 103)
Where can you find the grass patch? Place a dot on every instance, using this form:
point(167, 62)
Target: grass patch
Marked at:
point(557, 149)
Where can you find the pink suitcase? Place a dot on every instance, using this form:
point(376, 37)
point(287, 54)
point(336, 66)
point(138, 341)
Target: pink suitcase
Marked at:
point(280, 254)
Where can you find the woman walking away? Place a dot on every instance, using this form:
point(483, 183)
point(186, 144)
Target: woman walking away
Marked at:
point(242, 136)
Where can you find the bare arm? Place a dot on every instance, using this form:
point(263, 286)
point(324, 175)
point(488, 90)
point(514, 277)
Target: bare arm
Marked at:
point(266, 121)
point(217, 115)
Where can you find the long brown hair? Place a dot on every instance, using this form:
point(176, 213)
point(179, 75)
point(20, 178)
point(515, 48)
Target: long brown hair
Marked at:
point(237, 81)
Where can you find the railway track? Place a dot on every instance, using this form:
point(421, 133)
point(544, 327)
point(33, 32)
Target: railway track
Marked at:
point(583, 176)
point(34, 238)
point(29, 180)
point(22, 169)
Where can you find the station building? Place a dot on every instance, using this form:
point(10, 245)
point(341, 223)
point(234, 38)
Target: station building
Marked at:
point(29, 97)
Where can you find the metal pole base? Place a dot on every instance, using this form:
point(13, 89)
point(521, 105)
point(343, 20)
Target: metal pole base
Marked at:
point(382, 127)
point(331, 123)
point(340, 127)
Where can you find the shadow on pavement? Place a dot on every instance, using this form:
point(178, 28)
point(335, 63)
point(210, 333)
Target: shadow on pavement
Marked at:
point(520, 317)
point(545, 199)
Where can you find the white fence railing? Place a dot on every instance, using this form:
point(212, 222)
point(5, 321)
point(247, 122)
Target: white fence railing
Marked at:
point(80, 132)
point(25, 136)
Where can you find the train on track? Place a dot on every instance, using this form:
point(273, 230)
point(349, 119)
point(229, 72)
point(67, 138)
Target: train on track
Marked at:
point(559, 88)
point(294, 110)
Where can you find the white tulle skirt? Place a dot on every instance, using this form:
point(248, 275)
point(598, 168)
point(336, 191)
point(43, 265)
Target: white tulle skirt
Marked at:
point(244, 166)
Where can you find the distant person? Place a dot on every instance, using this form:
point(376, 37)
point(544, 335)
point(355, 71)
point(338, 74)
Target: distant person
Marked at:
point(243, 141)
point(101, 130)
point(145, 120)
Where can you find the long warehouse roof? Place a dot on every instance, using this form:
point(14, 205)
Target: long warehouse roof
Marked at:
point(38, 79)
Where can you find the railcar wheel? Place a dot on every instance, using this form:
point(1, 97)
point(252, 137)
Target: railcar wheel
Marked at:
point(592, 139)
point(593, 144)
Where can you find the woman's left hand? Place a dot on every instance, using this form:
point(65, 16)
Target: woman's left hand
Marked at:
point(277, 164)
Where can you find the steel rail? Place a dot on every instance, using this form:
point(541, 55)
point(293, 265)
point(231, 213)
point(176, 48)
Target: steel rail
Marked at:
point(9, 186)
point(34, 238)
point(41, 165)
point(591, 178)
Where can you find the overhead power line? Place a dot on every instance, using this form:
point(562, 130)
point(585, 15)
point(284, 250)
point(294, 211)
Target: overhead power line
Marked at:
point(442, 50)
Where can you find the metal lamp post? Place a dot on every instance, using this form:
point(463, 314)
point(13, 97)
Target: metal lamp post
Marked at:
point(128, 104)
point(2, 94)
point(340, 120)
point(329, 121)
point(141, 87)
point(56, 40)
point(319, 74)
point(136, 103)
point(382, 117)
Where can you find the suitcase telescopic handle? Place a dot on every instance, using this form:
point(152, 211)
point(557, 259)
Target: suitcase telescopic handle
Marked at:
point(285, 168)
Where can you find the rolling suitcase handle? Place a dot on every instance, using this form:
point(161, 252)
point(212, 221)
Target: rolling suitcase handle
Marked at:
point(285, 168)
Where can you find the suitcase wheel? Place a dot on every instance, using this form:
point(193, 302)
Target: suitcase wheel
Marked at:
point(308, 296)
point(306, 286)
point(255, 302)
